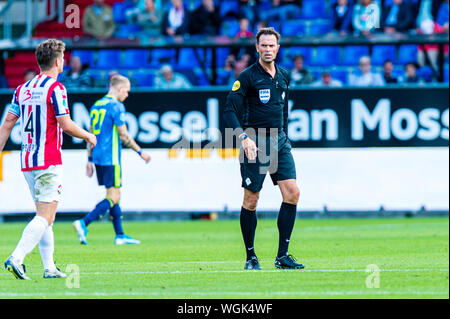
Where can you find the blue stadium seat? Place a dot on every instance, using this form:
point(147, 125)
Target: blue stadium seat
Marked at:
point(143, 78)
point(160, 56)
point(229, 28)
point(86, 56)
point(381, 53)
point(191, 76)
point(187, 58)
point(127, 31)
point(446, 73)
point(292, 28)
point(313, 9)
point(407, 53)
point(425, 73)
point(306, 52)
point(136, 58)
point(119, 9)
point(222, 54)
point(352, 53)
point(341, 75)
point(326, 55)
point(228, 7)
point(319, 28)
point(108, 59)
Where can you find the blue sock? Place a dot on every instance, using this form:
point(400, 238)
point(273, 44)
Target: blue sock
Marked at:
point(116, 214)
point(99, 210)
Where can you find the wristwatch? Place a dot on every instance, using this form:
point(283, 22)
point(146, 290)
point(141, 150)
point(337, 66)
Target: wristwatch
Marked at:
point(243, 137)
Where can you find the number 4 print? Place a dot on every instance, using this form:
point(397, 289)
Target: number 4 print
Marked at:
point(29, 126)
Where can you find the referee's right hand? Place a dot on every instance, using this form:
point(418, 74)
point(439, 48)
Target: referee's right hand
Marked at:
point(250, 148)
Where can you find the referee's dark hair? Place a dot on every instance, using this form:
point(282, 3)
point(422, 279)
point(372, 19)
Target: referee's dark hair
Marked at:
point(267, 31)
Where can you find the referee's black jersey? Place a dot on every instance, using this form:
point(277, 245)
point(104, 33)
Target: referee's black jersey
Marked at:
point(257, 100)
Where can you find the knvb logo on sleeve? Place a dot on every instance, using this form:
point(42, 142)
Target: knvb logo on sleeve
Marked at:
point(264, 95)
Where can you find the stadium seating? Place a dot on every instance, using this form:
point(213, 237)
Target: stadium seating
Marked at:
point(341, 75)
point(306, 52)
point(313, 9)
point(326, 55)
point(352, 53)
point(381, 53)
point(446, 73)
point(136, 58)
point(127, 31)
point(319, 28)
point(221, 56)
point(229, 7)
point(425, 73)
point(293, 28)
point(160, 56)
point(188, 58)
point(407, 53)
point(229, 28)
point(107, 59)
point(119, 9)
point(142, 78)
point(86, 56)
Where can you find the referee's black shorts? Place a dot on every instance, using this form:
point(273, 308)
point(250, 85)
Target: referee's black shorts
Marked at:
point(274, 157)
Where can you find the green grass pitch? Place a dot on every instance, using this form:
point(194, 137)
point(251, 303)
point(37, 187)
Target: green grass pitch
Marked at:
point(205, 259)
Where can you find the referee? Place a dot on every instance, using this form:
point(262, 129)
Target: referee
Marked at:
point(257, 109)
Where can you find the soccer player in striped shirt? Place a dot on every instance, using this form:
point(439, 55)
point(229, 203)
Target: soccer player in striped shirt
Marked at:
point(108, 124)
point(42, 107)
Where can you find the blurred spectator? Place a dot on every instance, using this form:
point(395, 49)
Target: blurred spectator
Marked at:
point(397, 17)
point(98, 20)
point(250, 10)
point(342, 17)
point(411, 73)
point(282, 10)
point(29, 74)
point(327, 80)
point(148, 18)
point(388, 67)
point(261, 24)
point(244, 31)
point(176, 19)
point(300, 75)
point(366, 77)
point(366, 17)
point(76, 77)
point(205, 19)
point(442, 16)
point(232, 70)
point(168, 79)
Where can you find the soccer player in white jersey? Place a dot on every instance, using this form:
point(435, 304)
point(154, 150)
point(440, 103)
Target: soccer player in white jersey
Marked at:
point(42, 107)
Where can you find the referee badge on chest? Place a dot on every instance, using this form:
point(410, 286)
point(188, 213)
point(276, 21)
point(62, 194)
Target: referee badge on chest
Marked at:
point(264, 95)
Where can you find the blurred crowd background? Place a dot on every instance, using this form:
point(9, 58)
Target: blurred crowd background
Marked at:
point(318, 66)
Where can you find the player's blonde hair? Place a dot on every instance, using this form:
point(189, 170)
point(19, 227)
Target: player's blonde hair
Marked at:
point(117, 80)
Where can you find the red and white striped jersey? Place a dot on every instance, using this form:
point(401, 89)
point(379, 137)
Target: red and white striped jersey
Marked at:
point(38, 103)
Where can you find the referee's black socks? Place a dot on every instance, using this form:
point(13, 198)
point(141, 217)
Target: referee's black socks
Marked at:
point(286, 220)
point(248, 227)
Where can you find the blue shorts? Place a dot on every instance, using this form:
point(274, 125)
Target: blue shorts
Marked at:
point(109, 176)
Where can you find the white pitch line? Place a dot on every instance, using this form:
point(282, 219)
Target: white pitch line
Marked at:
point(178, 272)
point(221, 293)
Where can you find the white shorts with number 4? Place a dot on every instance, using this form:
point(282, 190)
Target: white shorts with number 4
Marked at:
point(46, 184)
